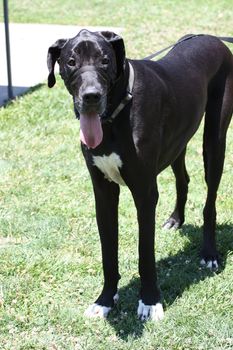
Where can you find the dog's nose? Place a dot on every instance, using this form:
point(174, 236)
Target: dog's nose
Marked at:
point(91, 97)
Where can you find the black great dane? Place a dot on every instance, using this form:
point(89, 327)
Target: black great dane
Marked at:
point(136, 118)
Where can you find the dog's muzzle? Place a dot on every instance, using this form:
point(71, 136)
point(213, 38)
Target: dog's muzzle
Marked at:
point(91, 96)
point(89, 86)
point(89, 93)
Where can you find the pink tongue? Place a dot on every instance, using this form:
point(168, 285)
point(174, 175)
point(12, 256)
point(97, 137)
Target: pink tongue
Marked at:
point(91, 132)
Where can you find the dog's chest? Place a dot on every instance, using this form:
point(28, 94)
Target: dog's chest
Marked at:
point(109, 166)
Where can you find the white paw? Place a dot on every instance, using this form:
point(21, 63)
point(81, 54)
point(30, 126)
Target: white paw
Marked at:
point(96, 310)
point(211, 264)
point(152, 312)
point(171, 224)
point(167, 226)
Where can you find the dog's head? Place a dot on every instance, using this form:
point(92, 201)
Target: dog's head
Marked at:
point(89, 64)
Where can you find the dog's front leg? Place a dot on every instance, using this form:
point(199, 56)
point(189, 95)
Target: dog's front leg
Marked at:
point(106, 199)
point(149, 304)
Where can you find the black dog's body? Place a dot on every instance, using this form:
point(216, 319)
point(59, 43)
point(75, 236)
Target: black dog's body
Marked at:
point(170, 97)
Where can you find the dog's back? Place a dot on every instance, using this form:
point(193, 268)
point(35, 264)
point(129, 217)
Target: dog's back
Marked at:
point(194, 77)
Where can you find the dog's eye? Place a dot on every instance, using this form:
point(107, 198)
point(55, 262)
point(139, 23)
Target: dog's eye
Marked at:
point(105, 61)
point(71, 62)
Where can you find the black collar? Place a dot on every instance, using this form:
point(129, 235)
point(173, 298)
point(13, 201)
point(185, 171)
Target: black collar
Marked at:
point(127, 88)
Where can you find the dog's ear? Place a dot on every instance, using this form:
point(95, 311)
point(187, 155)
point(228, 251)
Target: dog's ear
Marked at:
point(118, 46)
point(52, 57)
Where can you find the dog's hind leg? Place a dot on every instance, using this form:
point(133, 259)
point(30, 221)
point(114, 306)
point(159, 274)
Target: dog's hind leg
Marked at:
point(218, 115)
point(182, 180)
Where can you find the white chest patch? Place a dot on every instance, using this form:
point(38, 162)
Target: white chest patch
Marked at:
point(110, 165)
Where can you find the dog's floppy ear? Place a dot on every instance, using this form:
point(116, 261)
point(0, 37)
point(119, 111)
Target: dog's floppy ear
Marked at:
point(118, 46)
point(53, 55)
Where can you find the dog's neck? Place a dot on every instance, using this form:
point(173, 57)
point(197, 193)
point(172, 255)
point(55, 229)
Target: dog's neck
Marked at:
point(120, 94)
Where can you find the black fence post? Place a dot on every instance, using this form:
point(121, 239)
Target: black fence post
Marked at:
point(8, 56)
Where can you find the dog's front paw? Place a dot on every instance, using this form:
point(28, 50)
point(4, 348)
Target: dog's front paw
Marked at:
point(172, 223)
point(99, 311)
point(150, 312)
point(96, 310)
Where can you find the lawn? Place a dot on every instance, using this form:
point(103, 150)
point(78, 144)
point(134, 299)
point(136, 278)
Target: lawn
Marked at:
point(49, 247)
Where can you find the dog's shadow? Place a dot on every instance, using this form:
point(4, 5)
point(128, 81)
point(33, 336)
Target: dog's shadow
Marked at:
point(175, 274)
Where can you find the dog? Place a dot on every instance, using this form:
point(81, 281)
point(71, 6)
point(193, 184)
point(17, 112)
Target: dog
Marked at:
point(136, 118)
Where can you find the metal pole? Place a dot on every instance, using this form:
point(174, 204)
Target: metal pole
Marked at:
point(8, 56)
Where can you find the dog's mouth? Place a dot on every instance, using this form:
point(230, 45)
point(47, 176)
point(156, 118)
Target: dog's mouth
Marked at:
point(91, 133)
point(90, 105)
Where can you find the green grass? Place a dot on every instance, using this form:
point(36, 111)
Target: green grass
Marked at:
point(49, 248)
point(148, 25)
